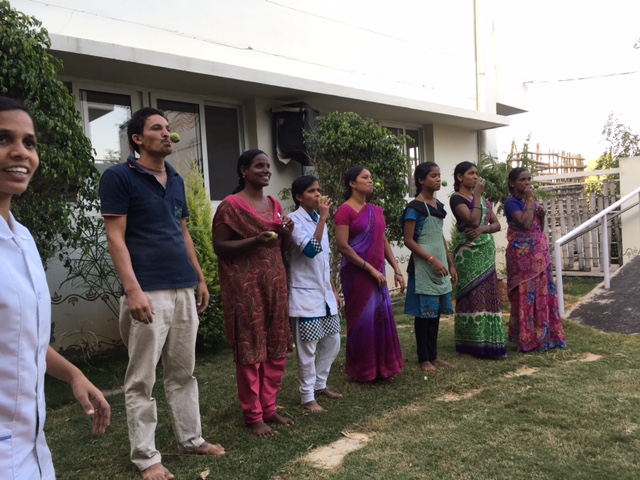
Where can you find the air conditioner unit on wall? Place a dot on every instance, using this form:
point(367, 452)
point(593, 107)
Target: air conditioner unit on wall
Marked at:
point(289, 121)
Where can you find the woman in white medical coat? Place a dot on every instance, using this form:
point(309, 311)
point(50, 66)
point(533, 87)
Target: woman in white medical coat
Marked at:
point(25, 319)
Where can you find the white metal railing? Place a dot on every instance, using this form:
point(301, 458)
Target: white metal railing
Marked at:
point(576, 232)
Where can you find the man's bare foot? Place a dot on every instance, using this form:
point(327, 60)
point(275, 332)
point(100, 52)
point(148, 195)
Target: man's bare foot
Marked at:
point(442, 363)
point(313, 407)
point(328, 393)
point(261, 429)
point(157, 471)
point(427, 367)
point(209, 449)
point(279, 419)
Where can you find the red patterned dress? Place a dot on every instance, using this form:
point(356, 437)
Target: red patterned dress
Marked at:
point(254, 286)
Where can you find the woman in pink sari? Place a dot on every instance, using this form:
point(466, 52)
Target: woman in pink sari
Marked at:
point(535, 322)
point(373, 349)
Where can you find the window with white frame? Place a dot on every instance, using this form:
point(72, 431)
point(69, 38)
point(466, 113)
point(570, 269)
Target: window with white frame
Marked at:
point(105, 116)
point(210, 134)
point(413, 149)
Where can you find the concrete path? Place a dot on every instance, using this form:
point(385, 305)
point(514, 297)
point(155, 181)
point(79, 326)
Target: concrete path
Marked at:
point(614, 310)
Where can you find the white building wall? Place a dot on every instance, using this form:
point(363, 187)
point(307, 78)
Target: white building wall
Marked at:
point(450, 147)
point(422, 50)
point(424, 63)
point(629, 181)
point(83, 325)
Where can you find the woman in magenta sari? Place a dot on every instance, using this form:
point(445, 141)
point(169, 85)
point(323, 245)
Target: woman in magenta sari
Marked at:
point(373, 349)
point(535, 322)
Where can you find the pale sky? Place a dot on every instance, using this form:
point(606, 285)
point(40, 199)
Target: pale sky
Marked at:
point(551, 40)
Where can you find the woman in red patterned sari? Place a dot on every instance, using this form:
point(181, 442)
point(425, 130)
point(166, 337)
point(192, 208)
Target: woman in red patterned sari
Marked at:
point(250, 234)
point(535, 322)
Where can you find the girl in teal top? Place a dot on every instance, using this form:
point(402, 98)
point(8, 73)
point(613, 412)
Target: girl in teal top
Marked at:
point(431, 270)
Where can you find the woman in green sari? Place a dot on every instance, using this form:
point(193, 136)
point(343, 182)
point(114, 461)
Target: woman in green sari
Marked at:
point(479, 329)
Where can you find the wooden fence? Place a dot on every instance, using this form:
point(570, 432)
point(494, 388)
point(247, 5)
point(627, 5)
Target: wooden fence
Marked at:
point(553, 163)
point(568, 208)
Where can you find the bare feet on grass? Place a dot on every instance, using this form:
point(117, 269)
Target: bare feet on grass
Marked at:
point(427, 367)
point(325, 392)
point(261, 429)
point(313, 407)
point(157, 471)
point(209, 449)
point(279, 419)
point(442, 363)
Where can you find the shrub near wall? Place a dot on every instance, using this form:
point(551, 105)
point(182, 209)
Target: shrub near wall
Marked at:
point(63, 192)
point(343, 140)
point(211, 330)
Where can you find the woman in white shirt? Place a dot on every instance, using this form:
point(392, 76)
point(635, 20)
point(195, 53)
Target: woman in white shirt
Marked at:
point(314, 302)
point(25, 319)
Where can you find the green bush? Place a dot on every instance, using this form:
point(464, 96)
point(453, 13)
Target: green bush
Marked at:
point(496, 175)
point(344, 140)
point(211, 331)
point(63, 192)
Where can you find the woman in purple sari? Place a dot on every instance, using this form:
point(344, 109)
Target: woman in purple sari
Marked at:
point(373, 348)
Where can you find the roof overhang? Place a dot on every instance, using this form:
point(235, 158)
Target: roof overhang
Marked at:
point(111, 63)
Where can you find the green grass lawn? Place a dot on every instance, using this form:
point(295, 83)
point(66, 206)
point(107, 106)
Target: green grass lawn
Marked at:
point(568, 419)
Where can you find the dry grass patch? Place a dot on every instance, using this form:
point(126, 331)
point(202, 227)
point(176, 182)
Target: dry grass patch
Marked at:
point(404, 326)
point(522, 372)
point(586, 357)
point(331, 456)
point(455, 397)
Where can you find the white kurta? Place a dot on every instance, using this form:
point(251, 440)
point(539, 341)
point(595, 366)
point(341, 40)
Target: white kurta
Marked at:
point(25, 322)
point(309, 295)
point(310, 280)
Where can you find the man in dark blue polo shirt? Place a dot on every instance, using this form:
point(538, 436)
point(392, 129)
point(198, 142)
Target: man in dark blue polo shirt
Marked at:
point(144, 205)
